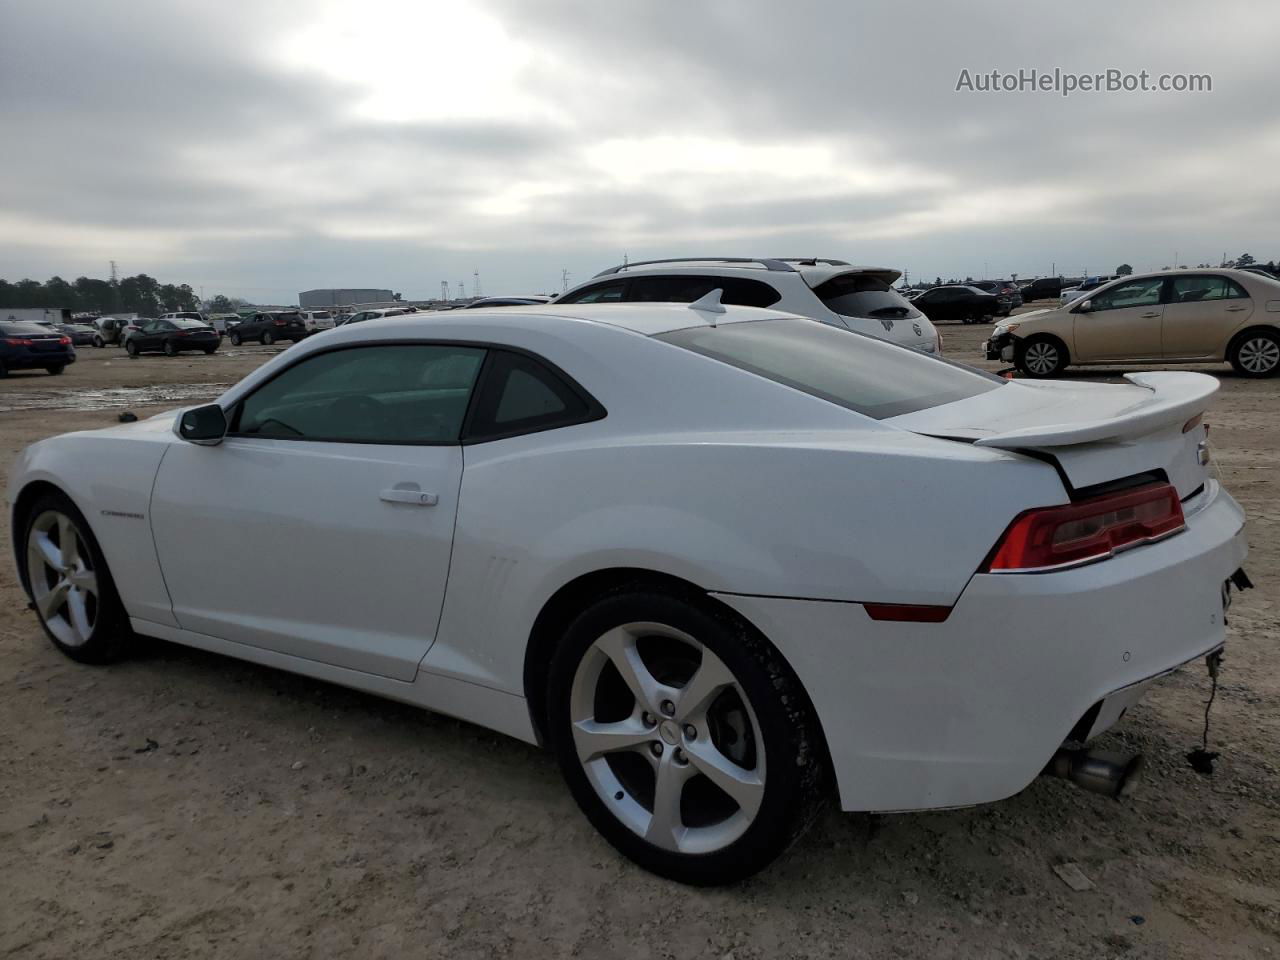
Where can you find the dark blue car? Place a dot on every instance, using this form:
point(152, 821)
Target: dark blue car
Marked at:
point(31, 346)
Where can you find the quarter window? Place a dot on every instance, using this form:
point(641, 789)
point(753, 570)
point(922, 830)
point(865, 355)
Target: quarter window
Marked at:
point(1195, 289)
point(520, 394)
point(679, 288)
point(395, 394)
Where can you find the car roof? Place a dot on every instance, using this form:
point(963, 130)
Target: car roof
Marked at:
point(815, 271)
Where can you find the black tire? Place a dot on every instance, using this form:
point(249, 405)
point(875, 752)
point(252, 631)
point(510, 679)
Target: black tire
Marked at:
point(111, 637)
point(170, 349)
point(99, 342)
point(235, 338)
point(1040, 357)
point(4, 371)
point(793, 756)
point(1256, 354)
point(131, 348)
point(210, 350)
point(56, 369)
point(268, 338)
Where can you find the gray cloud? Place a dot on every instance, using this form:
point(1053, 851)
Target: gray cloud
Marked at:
point(192, 141)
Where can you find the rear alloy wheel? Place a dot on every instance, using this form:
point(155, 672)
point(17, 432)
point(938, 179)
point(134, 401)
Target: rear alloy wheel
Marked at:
point(1041, 357)
point(99, 342)
point(268, 338)
point(170, 349)
point(131, 348)
point(56, 369)
point(683, 737)
point(235, 338)
point(70, 586)
point(1257, 355)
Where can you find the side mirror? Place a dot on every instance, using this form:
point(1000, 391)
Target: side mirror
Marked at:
point(1085, 307)
point(205, 425)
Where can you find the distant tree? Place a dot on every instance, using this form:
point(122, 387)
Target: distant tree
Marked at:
point(140, 295)
point(177, 297)
point(1270, 266)
point(97, 295)
point(1166, 267)
point(1245, 260)
point(937, 281)
point(397, 296)
point(1123, 270)
point(61, 294)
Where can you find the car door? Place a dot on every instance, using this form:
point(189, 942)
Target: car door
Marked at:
point(932, 304)
point(1123, 322)
point(148, 337)
point(321, 527)
point(1202, 311)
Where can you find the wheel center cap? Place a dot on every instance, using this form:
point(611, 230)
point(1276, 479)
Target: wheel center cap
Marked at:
point(670, 731)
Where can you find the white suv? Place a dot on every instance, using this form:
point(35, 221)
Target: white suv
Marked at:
point(317, 320)
point(856, 298)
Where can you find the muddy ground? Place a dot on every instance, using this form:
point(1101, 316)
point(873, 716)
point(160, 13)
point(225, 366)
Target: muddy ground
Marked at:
point(186, 805)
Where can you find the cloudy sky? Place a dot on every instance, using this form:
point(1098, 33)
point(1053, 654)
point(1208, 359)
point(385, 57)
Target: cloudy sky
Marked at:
point(260, 147)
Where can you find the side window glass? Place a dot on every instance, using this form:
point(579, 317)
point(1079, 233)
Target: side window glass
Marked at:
point(1234, 290)
point(601, 293)
point(523, 395)
point(397, 394)
point(1196, 289)
point(1135, 293)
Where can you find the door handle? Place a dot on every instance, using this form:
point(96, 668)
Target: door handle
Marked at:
point(1236, 309)
point(409, 493)
point(1153, 313)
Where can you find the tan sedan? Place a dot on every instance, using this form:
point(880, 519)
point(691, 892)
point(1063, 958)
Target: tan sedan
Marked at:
point(1174, 316)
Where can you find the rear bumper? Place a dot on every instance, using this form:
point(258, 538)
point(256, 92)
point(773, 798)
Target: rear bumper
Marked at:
point(28, 360)
point(968, 711)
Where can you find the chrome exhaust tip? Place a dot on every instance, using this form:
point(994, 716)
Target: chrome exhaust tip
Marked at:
point(1110, 774)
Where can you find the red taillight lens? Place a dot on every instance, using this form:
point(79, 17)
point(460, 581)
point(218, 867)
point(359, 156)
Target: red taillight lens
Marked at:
point(1077, 533)
point(64, 340)
point(279, 321)
point(15, 342)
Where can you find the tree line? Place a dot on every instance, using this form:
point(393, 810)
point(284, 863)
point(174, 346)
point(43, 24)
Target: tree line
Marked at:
point(143, 295)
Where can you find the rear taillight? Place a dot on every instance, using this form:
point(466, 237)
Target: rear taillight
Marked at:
point(279, 321)
point(1052, 537)
point(64, 340)
point(15, 342)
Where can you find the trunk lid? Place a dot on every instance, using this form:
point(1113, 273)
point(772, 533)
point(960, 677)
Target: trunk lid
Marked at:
point(1096, 432)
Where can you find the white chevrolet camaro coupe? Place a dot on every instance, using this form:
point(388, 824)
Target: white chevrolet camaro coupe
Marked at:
point(720, 560)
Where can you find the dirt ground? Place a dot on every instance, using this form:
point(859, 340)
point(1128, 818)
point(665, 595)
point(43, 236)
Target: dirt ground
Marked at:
point(185, 805)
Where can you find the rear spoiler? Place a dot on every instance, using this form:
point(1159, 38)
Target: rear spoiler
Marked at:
point(1176, 397)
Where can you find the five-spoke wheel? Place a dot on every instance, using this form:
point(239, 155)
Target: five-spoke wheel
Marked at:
point(69, 583)
point(683, 736)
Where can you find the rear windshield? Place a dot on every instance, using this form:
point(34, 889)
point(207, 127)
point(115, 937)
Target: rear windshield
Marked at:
point(320, 315)
point(861, 373)
point(24, 328)
point(183, 324)
point(864, 295)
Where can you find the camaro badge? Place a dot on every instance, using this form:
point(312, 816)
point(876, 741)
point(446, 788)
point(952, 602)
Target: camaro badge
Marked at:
point(916, 328)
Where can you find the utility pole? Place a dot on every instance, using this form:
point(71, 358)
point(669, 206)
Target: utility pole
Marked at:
point(475, 282)
point(444, 291)
point(462, 290)
point(564, 279)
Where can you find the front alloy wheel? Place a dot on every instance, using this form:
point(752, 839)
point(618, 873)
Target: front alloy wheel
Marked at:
point(1042, 357)
point(683, 736)
point(69, 584)
point(64, 585)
